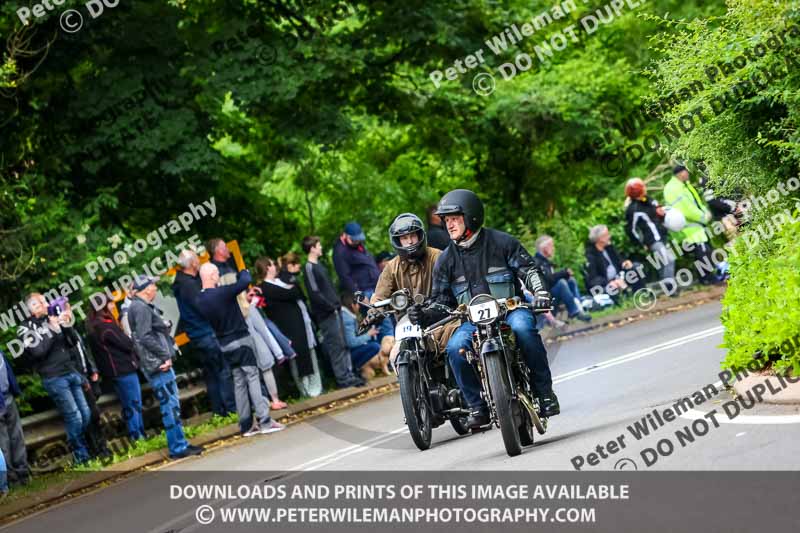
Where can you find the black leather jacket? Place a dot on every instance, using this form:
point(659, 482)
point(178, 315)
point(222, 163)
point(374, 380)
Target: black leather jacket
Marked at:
point(494, 264)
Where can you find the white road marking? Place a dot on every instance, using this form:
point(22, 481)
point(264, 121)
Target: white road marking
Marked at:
point(638, 354)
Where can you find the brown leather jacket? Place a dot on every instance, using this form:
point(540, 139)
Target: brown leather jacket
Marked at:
point(417, 276)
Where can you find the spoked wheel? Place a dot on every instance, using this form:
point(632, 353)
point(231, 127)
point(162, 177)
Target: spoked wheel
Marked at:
point(508, 409)
point(415, 406)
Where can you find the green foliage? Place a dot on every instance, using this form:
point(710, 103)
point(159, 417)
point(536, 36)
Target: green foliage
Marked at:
point(760, 306)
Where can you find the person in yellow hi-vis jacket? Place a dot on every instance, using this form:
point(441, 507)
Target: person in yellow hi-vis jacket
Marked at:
point(681, 195)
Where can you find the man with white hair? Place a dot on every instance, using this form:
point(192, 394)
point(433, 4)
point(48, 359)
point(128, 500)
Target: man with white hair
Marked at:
point(217, 371)
point(220, 307)
point(605, 270)
point(561, 283)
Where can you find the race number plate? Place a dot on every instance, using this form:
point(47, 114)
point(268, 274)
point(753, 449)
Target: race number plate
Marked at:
point(405, 330)
point(483, 311)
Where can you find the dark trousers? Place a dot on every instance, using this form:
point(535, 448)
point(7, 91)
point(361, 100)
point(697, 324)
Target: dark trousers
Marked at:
point(362, 354)
point(217, 374)
point(335, 346)
point(531, 346)
point(95, 438)
point(701, 252)
point(12, 443)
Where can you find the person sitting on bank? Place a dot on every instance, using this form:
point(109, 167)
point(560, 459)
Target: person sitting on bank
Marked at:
point(562, 284)
point(364, 349)
point(605, 270)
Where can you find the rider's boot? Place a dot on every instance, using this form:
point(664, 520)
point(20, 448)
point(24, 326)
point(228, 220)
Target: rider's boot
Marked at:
point(478, 418)
point(549, 403)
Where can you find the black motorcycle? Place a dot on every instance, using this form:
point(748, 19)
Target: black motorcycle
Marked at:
point(505, 377)
point(428, 390)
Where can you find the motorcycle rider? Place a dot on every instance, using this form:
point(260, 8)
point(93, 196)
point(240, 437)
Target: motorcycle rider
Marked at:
point(486, 261)
point(411, 268)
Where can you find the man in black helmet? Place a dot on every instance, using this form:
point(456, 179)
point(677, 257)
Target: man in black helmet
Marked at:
point(486, 261)
point(412, 268)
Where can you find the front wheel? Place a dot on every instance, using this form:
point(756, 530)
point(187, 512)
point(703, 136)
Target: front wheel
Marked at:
point(507, 408)
point(415, 406)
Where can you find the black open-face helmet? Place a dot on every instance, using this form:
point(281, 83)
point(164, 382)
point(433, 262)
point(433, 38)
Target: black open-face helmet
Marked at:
point(406, 224)
point(463, 202)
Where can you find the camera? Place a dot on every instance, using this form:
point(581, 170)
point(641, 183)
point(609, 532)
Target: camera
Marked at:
point(57, 306)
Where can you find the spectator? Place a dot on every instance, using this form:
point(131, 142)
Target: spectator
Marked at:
point(216, 370)
point(382, 259)
point(605, 271)
point(437, 236)
point(116, 360)
point(268, 350)
point(220, 307)
point(155, 349)
point(681, 195)
point(365, 349)
point(326, 310)
point(355, 266)
point(645, 226)
point(562, 284)
point(285, 306)
point(220, 255)
point(48, 340)
point(12, 440)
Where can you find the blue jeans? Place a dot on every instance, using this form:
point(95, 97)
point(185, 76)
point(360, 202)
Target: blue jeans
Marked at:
point(166, 390)
point(3, 474)
point(130, 396)
point(565, 291)
point(531, 346)
point(218, 375)
point(361, 354)
point(67, 393)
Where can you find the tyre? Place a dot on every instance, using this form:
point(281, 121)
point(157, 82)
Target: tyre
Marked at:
point(506, 407)
point(415, 406)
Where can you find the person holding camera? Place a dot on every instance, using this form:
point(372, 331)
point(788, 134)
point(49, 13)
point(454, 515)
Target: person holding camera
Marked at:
point(49, 348)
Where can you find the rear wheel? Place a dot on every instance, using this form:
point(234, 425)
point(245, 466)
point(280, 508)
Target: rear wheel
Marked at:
point(507, 408)
point(415, 406)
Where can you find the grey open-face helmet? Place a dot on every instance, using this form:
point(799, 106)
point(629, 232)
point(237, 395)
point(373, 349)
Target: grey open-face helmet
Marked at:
point(406, 224)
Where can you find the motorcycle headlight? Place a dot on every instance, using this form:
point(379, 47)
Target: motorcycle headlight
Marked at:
point(483, 309)
point(399, 300)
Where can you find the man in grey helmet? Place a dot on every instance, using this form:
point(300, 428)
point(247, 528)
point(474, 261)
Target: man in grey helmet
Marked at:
point(486, 261)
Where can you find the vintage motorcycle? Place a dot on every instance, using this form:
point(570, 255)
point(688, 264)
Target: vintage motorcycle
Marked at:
point(504, 376)
point(428, 391)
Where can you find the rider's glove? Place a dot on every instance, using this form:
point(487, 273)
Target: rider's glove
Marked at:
point(416, 314)
point(542, 302)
